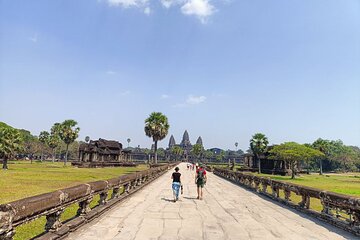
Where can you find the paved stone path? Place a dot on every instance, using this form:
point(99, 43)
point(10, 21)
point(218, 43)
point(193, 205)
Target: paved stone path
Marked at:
point(227, 212)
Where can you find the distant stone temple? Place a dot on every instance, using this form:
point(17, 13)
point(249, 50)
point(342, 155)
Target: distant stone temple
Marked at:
point(268, 166)
point(185, 143)
point(103, 151)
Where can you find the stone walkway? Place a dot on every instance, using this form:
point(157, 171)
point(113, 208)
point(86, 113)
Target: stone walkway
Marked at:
point(227, 212)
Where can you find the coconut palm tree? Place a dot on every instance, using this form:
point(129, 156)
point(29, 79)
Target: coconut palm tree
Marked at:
point(323, 146)
point(258, 145)
point(87, 139)
point(10, 143)
point(68, 133)
point(156, 127)
point(236, 145)
point(53, 143)
point(128, 141)
point(177, 152)
point(43, 138)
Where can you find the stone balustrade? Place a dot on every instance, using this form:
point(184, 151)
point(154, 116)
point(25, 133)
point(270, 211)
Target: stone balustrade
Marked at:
point(339, 210)
point(53, 204)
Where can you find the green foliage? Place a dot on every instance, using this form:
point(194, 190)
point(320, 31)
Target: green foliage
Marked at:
point(197, 150)
point(293, 152)
point(68, 131)
point(10, 143)
point(44, 137)
point(220, 156)
point(177, 151)
point(208, 154)
point(156, 127)
point(339, 155)
point(25, 180)
point(258, 145)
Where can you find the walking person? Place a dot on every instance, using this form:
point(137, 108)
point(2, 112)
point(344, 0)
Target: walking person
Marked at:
point(176, 185)
point(200, 181)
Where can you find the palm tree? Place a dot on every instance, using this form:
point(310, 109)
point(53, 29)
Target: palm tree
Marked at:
point(156, 127)
point(197, 150)
point(10, 142)
point(236, 145)
point(53, 143)
point(258, 145)
point(68, 133)
point(177, 151)
point(128, 141)
point(323, 146)
point(55, 130)
point(43, 138)
point(87, 139)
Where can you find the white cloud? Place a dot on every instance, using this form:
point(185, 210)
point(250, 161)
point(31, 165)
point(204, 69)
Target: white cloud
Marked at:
point(195, 99)
point(200, 8)
point(147, 11)
point(127, 3)
point(165, 96)
point(170, 3)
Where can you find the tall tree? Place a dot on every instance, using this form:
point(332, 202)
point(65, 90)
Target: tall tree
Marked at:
point(10, 143)
point(258, 145)
point(177, 151)
point(128, 141)
point(197, 150)
point(292, 153)
point(69, 132)
point(87, 139)
point(53, 143)
point(236, 145)
point(156, 127)
point(323, 146)
point(44, 139)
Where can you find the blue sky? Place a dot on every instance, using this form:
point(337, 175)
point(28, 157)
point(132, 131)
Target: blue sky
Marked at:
point(222, 69)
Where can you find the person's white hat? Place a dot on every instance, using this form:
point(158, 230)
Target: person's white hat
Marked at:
point(197, 164)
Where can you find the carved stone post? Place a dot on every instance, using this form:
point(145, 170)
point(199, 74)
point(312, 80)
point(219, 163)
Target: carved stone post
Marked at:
point(264, 187)
point(356, 217)
point(326, 208)
point(275, 191)
point(305, 201)
point(115, 192)
point(103, 198)
point(287, 194)
point(7, 231)
point(84, 206)
point(53, 222)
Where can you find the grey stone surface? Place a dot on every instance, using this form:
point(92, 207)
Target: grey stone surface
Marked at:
point(227, 212)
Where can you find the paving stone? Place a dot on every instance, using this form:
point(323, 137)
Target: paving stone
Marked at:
point(227, 212)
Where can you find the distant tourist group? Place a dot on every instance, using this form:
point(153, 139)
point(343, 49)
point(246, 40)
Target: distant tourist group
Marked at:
point(200, 180)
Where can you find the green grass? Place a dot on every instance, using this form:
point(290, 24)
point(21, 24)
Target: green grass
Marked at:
point(24, 179)
point(348, 184)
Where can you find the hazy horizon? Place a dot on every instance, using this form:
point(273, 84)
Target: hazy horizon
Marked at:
point(221, 69)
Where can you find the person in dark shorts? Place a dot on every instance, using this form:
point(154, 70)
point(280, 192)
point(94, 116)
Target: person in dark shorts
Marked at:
point(200, 181)
point(176, 185)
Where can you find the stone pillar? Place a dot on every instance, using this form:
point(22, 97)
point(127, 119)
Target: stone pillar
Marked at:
point(103, 198)
point(84, 206)
point(53, 222)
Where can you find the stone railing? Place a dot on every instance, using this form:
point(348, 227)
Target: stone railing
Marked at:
point(53, 204)
point(339, 210)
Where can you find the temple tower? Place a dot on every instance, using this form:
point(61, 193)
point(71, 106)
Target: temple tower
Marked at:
point(185, 143)
point(200, 141)
point(172, 142)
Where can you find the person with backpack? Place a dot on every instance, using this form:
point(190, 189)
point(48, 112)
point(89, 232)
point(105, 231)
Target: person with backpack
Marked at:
point(176, 184)
point(200, 181)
